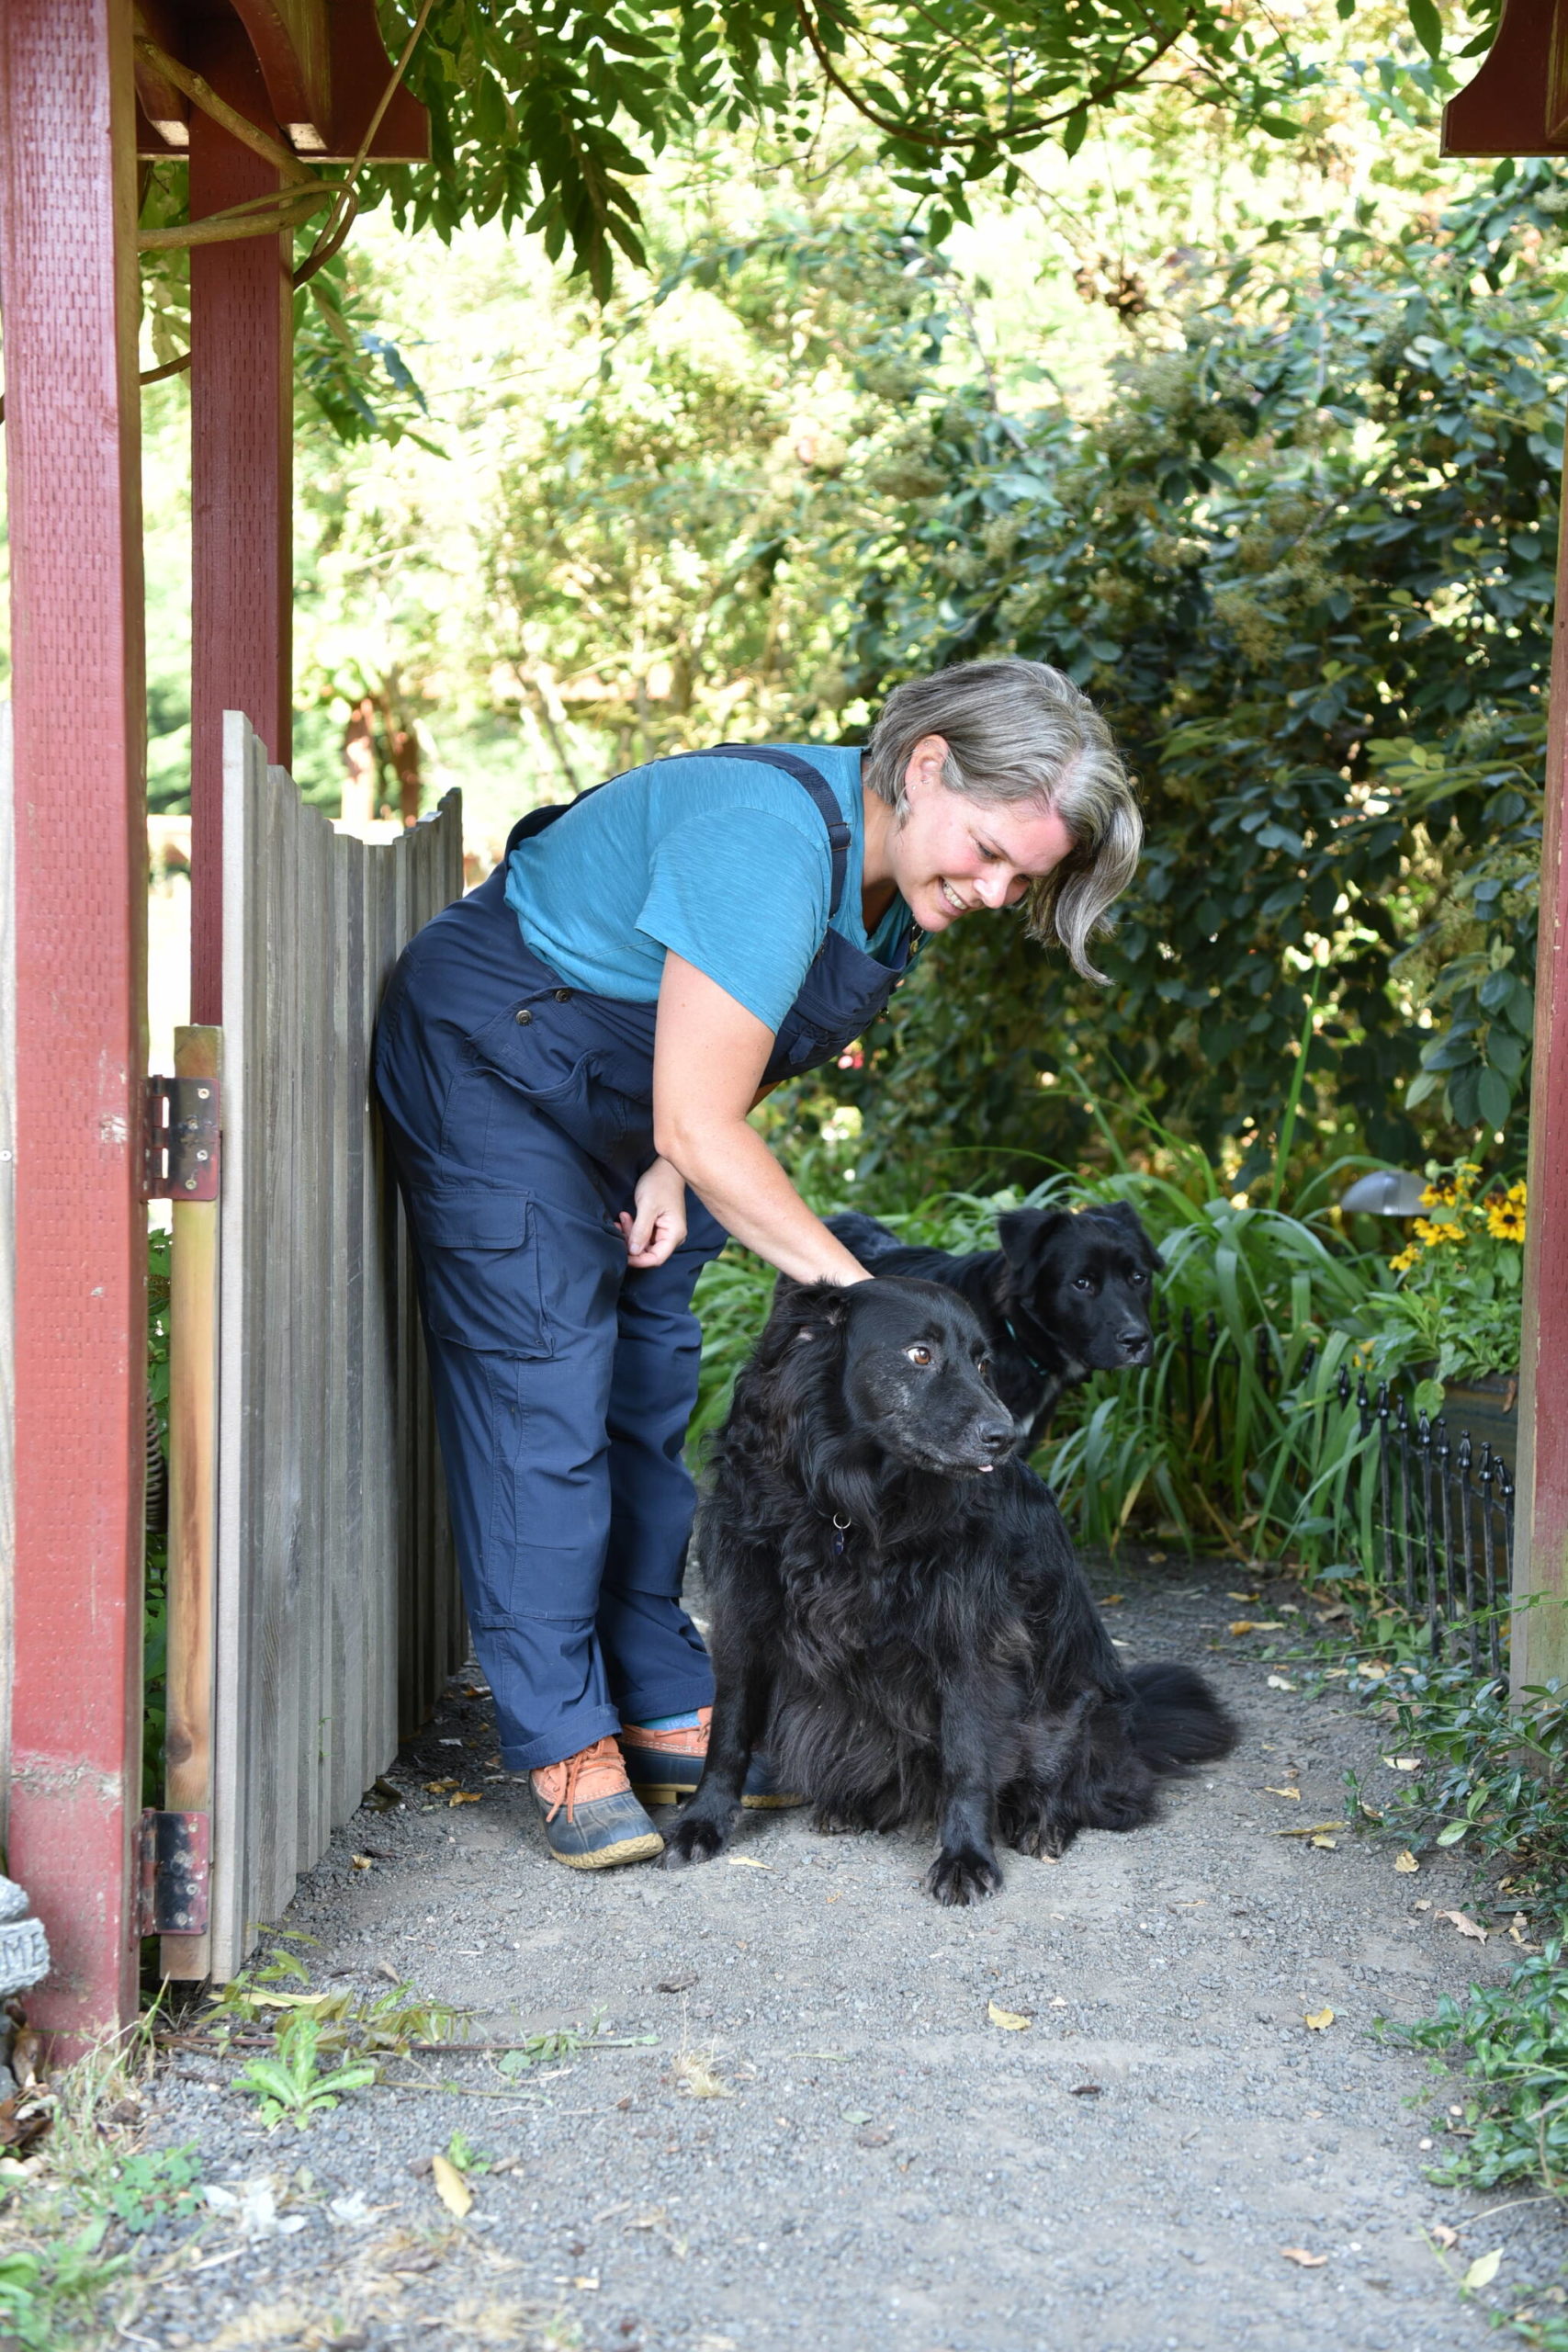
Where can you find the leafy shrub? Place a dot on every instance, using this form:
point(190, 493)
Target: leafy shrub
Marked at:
point(1510, 2041)
point(1305, 562)
point(1460, 1279)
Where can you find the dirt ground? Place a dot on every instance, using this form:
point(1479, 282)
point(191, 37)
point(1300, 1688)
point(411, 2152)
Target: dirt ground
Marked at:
point(881, 2158)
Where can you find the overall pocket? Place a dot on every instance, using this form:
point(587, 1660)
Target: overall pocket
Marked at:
point(478, 1256)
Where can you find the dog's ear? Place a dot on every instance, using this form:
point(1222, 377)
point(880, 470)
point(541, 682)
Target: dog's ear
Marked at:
point(1023, 1234)
point(1122, 1214)
point(806, 1310)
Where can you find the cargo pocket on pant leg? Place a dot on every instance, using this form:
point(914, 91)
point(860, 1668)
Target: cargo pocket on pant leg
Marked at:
point(479, 1252)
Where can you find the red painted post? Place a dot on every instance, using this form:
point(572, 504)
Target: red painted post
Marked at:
point(241, 382)
point(1540, 1543)
point(69, 296)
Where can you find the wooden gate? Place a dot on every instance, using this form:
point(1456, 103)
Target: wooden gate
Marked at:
point(328, 1614)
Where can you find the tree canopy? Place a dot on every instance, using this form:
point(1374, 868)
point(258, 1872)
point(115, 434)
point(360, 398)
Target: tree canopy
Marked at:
point(546, 112)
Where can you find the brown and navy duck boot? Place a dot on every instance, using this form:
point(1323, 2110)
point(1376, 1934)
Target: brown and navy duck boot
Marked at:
point(591, 1818)
point(665, 1758)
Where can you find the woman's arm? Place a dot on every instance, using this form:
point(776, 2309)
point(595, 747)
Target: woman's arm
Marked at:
point(709, 1054)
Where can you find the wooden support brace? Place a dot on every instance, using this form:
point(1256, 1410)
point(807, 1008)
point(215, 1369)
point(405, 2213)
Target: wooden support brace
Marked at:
point(193, 1499)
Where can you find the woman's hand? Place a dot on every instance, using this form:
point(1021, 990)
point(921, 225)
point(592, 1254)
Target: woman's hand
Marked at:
point(659, 1226)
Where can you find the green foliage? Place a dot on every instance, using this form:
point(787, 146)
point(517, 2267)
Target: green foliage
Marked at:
point(1460, 1282)
point(1492, 1775)
point(1303, 560)
point(291, 2085)
point(156, 2185)
point(1510, 2043)
point(49, 2294)
point(546, 113)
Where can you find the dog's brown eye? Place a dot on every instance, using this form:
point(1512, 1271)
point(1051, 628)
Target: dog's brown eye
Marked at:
point(918, 1355)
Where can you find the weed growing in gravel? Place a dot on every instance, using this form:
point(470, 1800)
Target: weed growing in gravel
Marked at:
point(290, 2085)
point(1510, 2042)
point(73, 2207)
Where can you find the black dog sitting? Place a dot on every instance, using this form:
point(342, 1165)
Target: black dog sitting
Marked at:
point(1064, 1296)
point(898, 1614)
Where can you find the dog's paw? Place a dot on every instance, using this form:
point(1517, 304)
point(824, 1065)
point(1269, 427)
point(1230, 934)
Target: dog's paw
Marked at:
point(963, 1877)
point(691, 1841)
point(1047, 1841)
point(833, 1825)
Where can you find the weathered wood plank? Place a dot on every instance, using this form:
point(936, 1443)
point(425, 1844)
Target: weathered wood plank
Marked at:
point(7, 1250)
point(335, 1577)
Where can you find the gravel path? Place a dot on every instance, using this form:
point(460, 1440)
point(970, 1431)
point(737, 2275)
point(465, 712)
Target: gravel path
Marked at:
point(884, 2164)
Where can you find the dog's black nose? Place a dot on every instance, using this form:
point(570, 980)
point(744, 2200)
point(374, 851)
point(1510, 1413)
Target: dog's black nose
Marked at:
point(1135, 1346)
point(997, 1437)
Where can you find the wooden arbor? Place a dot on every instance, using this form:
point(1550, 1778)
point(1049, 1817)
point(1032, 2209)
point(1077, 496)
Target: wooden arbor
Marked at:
point(80, 98)
point(1517, 104)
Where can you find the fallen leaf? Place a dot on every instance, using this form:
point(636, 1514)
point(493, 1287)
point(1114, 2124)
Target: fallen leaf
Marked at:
point(1407, 1863)
point(1440, 2230)
point(1008, 2019)
point(1373, 1671)
point(1113, 1600)
point(1466, 1924)
point(746, 1862)
point(1402, 1763)
point(1257, 1625)
point(1299, 2253)
point(438, 1787)
point(1329, 1844)
point(23, 2119)
point(1241, 1596)
point(1319, 2019)
point(1085, 2091)
point(1484, 2268)
point(466, 1796)
point(1423, 1902)
point(1294, 1794)
point(855, 2115)
point(1278, 1682)
point(1313, 1829)
point(361, 1863)
point(27, 2057)
point(1326, 1616)
point(450, 2185)
point(1058, 2003)
point(384, 1968)
point(876, 2135)
point(590, 2280)
point(681, 1984)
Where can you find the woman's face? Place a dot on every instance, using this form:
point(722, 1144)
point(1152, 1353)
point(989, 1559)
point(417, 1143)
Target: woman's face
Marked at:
point(954, 855)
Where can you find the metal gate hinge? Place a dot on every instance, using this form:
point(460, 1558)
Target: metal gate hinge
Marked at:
point(174, 1854)
point(181, 1143)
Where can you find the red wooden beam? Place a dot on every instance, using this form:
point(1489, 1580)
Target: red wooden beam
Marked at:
point(1540, 1544)
point(68, 288)
point(242, 379)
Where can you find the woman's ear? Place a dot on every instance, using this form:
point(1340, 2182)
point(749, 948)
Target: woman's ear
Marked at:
point(926, 764)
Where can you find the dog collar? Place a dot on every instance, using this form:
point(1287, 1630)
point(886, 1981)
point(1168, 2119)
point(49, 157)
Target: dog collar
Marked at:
point(1033, 1361)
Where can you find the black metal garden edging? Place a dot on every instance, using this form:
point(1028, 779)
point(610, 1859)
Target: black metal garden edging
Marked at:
point(1442, 1508)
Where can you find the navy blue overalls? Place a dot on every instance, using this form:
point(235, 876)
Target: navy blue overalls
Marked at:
point(520, 1115)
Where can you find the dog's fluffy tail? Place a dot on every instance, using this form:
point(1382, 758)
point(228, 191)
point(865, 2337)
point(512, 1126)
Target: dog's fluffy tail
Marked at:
point(862, 1235)
point(1177, 1719)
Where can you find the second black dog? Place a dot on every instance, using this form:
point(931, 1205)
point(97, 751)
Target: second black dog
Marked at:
point(898, 1614)
point(1066, 1294)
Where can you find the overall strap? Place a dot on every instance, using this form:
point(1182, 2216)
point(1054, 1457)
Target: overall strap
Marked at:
point(821, 791)
point(803, 772)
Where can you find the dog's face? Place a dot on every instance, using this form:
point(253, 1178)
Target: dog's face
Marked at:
point(916, 1377)
point(1087, 1278)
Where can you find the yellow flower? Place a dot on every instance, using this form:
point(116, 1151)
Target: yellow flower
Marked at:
point(1405, 1259)
point(1434, 1231)
point(1517, 1195)
point(1437, 1197)
point(1505, 1222)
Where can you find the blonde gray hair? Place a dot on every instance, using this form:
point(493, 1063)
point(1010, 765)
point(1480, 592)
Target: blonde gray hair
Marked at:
point(1020, 730)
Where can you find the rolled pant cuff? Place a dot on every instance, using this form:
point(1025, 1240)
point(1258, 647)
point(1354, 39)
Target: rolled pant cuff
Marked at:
point(567, 1739)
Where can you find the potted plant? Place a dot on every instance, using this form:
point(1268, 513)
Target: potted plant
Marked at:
point(1453, 1317)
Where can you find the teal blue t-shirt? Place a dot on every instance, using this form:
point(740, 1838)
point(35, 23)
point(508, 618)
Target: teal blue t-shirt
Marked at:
point(724, 861)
